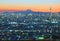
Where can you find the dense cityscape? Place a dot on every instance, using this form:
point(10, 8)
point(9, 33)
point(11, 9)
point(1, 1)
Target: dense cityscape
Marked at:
point(29, 25)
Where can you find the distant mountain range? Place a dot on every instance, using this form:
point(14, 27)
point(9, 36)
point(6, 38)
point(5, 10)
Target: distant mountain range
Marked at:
point(23, 12)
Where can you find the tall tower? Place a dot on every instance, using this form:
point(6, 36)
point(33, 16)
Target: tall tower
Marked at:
point(50, 11)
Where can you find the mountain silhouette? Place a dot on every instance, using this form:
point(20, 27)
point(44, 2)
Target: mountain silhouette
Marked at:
point(28, 11)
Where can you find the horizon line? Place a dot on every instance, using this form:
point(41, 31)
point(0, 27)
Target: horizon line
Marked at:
point(25, 10)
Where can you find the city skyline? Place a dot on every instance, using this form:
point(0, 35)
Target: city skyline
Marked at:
point(35, 5)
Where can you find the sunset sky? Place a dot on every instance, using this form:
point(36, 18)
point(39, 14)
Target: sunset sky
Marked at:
point(35, 5)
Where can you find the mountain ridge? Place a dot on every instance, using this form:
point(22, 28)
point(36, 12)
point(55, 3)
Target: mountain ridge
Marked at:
point(22, 11)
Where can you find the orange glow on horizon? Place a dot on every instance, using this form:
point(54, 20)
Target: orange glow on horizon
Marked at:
point(42, 8)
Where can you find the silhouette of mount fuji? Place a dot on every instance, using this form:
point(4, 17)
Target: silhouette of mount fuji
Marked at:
point(24, 12)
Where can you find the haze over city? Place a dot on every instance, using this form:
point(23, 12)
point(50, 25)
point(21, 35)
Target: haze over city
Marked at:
point(35, 5)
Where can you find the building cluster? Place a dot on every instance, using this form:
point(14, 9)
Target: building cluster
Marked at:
point(29, 26)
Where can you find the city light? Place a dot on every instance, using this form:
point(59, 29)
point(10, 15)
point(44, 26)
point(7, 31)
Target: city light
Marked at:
point(41, 38)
